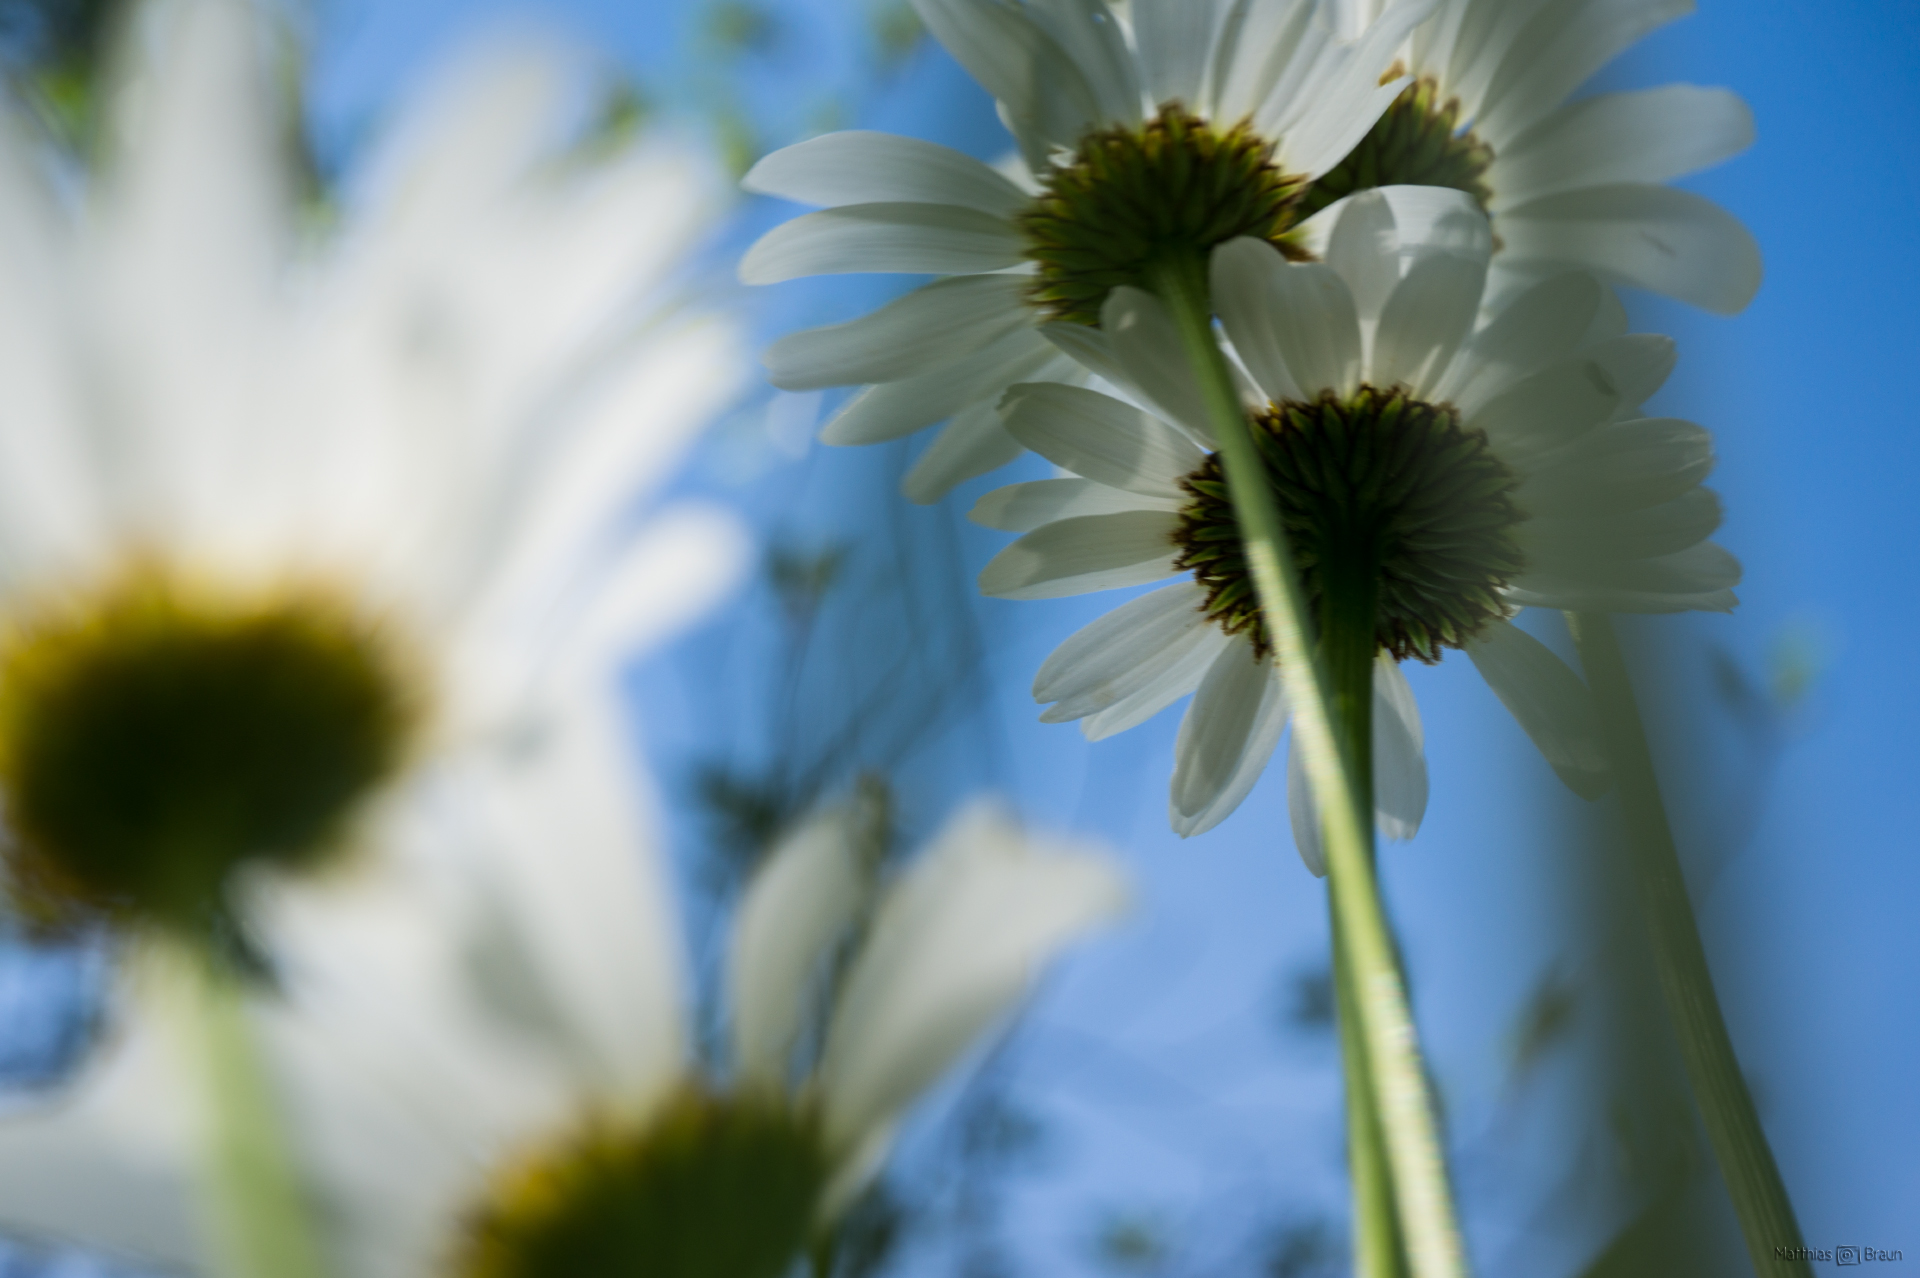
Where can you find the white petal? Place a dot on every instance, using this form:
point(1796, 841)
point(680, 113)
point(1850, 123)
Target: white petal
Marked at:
point(1399, 761)
point(1316, 328)
point(1302, 816)
point(1426, 319)
point(1099, 438)
point(1246, 295)
point(860, 167)
point(924, 330)
point(1621, 466)
point(1654, 237)
point(1039, 87)
point(1546, 410)
point(1555, 545)
point(1538, 327)
point(1174, 38)
point(1091, 37)
point(1700, 569)
point(1090, 552)
point(1638, 363)
point(1024, 507)
point(1654, 135)
point(1148, 345)
point(1176, 679)
point(893, 409)
point(1225, 739)
point(1365, 248)
point(1093, 351)
point(1560, 46)
point(920, 239)
point(112, 1160)
point(798, 907)
point(1114, 657)
point(955, 944)
point(1549, 702)
point(581, 901)
point(973, 443)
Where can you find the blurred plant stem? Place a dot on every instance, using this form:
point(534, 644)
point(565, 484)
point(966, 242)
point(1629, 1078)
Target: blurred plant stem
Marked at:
point(1739, 1143)
point(1339, 773)
point(255, 1204)
point(1377, 1250)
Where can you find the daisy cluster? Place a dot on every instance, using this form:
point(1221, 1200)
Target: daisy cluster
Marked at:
point(1410, 226)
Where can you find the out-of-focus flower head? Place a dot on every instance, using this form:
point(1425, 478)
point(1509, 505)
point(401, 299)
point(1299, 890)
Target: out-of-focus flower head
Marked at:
point(287, 517)
point(484, 1054)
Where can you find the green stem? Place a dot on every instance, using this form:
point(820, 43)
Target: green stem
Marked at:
point(1377, 1249)
point(1393, 1065)
point(258, 1208)
point(1733, 1126)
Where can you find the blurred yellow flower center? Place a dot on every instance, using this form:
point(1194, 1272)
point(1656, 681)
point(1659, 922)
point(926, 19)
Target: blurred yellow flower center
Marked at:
point(1175, 187)
point(1380, 478)
point(710, 1187)
point(1417, 142)
point(155, 737)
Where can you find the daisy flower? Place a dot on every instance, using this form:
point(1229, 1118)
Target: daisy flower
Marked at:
point(1569, 184)
point(1147, 129)
point(483, 1054)
point(1470, 470)
point(285, 518)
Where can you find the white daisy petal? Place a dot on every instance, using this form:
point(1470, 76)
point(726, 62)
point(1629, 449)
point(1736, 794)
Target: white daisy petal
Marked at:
point(1536, 328)
point(1549, 702)
point(795, 911)
point(1112, 658)
point(1092, 350)
point(1701, 569)
point(1624, 466)
point(1225, 740)
point(928, 328)
point(919, 239)
point(861, 167)
point(1100, 438)
point(955, 944)
point(1303, 818)
point(1039, 87)
point(1555, 545)
point(1546, 410)
point(973, 443)
point(893, 409)
point(1429, 315)
point(1024, 507)
point(1365, 249)
point(1147, 344)
point(1638, 363)
point(1399, 759)
point(1178, 678)
point(1654, 135)
point(1313, 321)
point(1091, 37)
point(1560, 46)
point(1173, 38)
point(110, 1160)
point(1654, 237)
point(1087, 553)
point(1244, 274)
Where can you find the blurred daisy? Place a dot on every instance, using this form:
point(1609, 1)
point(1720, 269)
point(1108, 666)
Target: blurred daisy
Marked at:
point(1153, 128)
point(483, 1055)
point(1473, 471)
point(1569, 185)
point(285, 518)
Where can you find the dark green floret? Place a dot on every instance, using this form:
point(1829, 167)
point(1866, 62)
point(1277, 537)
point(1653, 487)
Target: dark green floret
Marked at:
point(710, 1188)
point(1417, 142)
point(153, 741)
point(1377, 478)
point(1130, 197)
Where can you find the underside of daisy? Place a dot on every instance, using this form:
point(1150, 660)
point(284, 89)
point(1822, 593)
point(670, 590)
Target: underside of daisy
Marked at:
point(154, 737)
point(1176, 185)
point(1417, 142)
point(710, 1187)
point(1373, 482)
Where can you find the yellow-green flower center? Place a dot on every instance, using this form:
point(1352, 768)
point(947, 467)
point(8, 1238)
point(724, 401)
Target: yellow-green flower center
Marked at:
point(1176, 186)
point(1417, 142)
point(709, 1188)
point(155, 737)
point(1377, 478)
